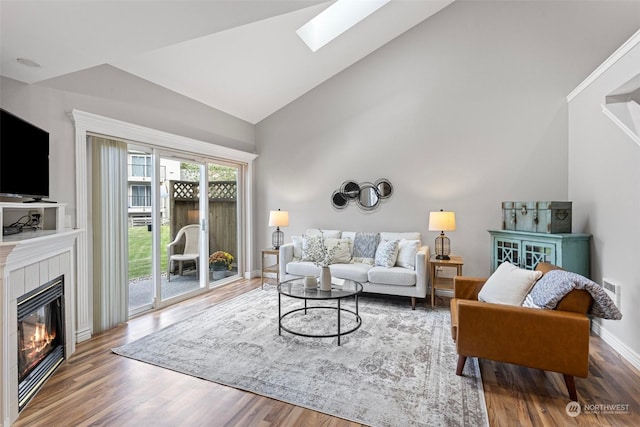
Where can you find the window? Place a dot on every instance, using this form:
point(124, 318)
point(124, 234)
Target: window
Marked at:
point(141, 167)
point(140, 195)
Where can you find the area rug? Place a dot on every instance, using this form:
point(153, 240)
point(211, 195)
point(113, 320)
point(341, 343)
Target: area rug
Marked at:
point(397, 369)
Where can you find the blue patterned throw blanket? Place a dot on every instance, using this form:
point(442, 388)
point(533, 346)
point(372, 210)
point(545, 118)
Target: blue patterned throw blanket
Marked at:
point(555, 284)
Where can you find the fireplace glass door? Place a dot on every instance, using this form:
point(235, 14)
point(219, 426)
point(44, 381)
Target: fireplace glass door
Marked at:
point(40, 337)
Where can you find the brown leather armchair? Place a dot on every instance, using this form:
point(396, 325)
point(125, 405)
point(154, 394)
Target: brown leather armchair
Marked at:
point(551, 340)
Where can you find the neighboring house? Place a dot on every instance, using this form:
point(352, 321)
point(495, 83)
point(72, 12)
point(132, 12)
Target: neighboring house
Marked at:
point(139, 183)
point(139, 188)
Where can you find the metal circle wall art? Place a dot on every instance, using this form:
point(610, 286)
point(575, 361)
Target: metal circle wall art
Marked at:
point(350, 190)
point(339, 199)
point(365, 194)
point(384, 188)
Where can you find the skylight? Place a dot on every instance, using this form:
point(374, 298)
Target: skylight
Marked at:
point(335, 20)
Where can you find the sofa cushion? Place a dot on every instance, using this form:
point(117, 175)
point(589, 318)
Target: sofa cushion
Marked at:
point(386, 235)
point(386, 253)
point(364, 248)
point(392, 276)
point(407, 250)
point(508, 285)
point(303, 268)
point(333, 234)
point(357, 272)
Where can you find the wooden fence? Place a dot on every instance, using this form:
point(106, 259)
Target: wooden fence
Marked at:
point(223, 225)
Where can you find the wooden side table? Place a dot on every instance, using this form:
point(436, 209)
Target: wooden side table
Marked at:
point(443, 282)
point(270, 268)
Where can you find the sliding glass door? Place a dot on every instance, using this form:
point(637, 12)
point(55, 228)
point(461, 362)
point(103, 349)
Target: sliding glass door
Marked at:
point(183, 213)
point(223, 220)
point(182, 241)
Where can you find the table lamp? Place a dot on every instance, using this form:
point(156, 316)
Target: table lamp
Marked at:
point(442, 221)
point(278, 219)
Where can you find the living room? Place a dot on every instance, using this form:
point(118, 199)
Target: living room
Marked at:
point(461, 112)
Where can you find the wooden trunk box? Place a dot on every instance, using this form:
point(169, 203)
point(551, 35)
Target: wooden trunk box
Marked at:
point(526, 216)
point(537, 217)
point(508, 216)
point(554, 217)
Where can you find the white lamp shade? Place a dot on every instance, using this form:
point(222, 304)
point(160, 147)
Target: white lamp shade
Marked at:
point(442, 221)
point(278, 218)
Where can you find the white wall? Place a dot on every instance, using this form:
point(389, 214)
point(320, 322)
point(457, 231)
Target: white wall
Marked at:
point(604, 183)
point(112, 93)
point(462, 112)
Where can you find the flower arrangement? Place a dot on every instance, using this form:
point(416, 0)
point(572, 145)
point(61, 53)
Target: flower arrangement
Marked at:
point(319, 253)
point(220, 260)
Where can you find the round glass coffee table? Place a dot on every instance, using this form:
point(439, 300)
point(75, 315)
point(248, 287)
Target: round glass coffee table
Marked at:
point(340, 289)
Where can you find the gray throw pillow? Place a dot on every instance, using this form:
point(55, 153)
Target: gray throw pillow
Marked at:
point(387, 253)
point(364, 248)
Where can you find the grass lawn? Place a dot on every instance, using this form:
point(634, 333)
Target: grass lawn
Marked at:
point(140, 251)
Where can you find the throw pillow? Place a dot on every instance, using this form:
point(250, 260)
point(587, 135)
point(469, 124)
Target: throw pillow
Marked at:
point(297, 247)
point(364, 248)
point(311, 248)
point(351, 235)
point(407, 250)
point(339, 249)
point(387, 253)
point(508, 285)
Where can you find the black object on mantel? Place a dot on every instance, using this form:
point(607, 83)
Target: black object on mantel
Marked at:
point(15, 229)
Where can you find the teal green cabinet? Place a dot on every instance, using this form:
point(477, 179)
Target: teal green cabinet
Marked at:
point(524, 249)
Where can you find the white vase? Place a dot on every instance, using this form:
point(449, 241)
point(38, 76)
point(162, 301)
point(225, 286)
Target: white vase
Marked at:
point(325, 279)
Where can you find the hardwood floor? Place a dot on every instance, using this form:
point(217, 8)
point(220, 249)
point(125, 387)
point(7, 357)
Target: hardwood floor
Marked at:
point(98, 388)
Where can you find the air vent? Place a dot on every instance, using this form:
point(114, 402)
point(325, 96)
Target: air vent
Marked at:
point(612, 289)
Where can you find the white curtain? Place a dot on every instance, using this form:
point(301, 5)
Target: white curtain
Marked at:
point(110, 246)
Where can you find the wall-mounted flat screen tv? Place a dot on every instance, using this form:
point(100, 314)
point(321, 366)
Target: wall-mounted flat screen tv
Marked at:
point(24, 158)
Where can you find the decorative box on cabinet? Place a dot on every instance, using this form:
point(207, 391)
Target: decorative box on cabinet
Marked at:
point(524, 249)
point(537, 217)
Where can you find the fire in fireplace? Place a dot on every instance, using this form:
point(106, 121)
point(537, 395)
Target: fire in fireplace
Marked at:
point(40, 337)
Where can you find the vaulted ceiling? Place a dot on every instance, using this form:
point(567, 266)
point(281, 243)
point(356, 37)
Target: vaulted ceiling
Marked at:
point(239, 56)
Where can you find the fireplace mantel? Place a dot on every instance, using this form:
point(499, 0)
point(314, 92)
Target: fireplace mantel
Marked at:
point(26, 263)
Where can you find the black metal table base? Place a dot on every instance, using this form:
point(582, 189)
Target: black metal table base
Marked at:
point(339, 310)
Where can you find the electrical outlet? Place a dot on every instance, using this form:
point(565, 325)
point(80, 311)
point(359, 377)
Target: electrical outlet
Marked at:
point(34, 218)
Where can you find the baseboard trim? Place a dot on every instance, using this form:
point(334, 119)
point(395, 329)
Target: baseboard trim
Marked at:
point(83, 335)
point(624, 350)
point(444, 293)
point(252, 274)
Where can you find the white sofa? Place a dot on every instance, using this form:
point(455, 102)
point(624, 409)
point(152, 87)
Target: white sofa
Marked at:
point(395, 280)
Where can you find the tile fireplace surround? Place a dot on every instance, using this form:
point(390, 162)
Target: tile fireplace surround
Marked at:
point(25, 265)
